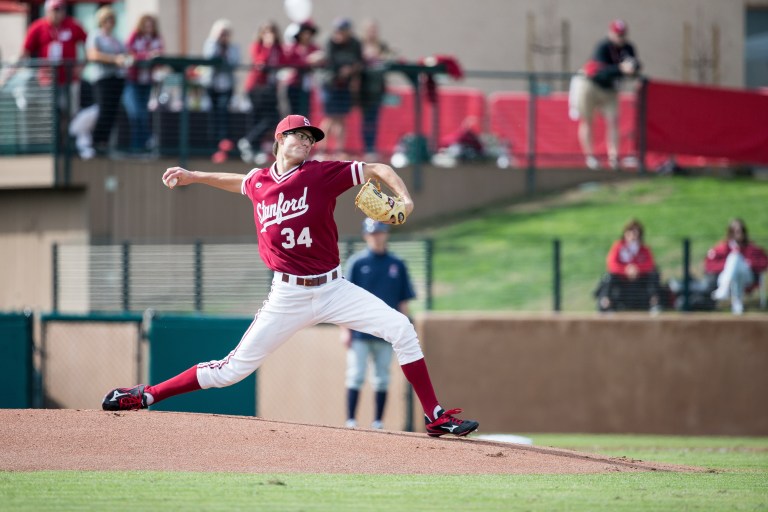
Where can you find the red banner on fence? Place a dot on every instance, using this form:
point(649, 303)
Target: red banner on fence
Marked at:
point(707, 121)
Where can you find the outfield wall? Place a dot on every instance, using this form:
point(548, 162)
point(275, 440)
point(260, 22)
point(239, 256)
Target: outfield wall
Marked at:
point(673, 374)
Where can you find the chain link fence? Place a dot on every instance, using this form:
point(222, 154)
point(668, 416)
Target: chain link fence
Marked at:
point(209, 278)
point(531, 273)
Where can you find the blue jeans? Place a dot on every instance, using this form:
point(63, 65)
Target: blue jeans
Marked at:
point(219, 126)
point(136, 103)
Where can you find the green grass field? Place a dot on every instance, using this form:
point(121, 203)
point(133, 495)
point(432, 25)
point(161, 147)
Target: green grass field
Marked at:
point(501, 258)
point(735, 478)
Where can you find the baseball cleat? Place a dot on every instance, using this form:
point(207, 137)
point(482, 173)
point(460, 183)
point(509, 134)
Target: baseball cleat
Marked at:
point(447, 424)
point(125, 399)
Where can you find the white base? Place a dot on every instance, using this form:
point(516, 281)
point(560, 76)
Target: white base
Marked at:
point(505, 438)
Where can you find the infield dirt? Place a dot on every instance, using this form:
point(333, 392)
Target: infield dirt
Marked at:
point(47, 439)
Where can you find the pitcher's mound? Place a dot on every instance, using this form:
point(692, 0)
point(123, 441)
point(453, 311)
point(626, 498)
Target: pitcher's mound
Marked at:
point(164, 441)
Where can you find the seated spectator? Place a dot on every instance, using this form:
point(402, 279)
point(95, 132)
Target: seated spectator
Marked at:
point(466, 140)
point(464, 144)
point(632, 282)
point(735, 264)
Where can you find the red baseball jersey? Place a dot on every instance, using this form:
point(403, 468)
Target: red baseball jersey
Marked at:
point(294, 214)
point(45, 41)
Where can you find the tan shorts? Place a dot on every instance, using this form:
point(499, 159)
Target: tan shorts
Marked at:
point(591, 96)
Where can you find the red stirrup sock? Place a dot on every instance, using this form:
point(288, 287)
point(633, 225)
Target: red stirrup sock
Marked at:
point(182, 383)
point(417, 374)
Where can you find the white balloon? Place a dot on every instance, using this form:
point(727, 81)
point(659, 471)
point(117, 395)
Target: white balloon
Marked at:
point(290, 32)
point(298, 11)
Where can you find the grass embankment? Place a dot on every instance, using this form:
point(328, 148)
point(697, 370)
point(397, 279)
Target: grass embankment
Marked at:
point(501, 258)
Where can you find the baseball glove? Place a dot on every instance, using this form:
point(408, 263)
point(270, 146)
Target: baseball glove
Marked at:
point(379, 206)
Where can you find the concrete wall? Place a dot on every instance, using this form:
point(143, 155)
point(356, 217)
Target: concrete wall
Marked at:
point(687, 375)
point(30, 222)
point(684, 375)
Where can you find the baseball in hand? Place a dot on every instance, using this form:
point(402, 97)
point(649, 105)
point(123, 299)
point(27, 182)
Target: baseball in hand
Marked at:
point(171, 182)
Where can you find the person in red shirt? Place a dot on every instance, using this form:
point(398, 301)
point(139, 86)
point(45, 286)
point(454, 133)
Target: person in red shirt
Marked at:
point(55, 37)
point(302, 55)
point(632, 282)
point(143, 44)
point(261, 83)
point(735, 265)
point(293, 205)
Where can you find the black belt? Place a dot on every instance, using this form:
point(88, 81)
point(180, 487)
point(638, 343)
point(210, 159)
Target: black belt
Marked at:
point(312, 281)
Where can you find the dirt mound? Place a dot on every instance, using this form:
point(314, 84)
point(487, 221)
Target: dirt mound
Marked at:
point(164, 441)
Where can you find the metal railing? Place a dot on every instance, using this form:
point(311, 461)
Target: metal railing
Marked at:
point(417, 122)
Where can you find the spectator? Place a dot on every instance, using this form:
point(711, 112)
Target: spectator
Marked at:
point(144, 43)
point(267, 56)
point(219, 81)
point(735, 264)
point(465, 143)
point(614, 58)
point(55, 37)
point(344, 63)
point(303, 54)
point(380, 272)
point(632, 282)
point(373, 85)
point(110, 58)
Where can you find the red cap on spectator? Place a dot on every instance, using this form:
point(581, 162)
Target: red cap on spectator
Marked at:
point(53, 4)
point(618, 27)
point(294, 122)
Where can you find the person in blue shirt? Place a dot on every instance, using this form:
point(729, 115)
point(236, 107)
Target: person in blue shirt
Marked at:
point(386, 276)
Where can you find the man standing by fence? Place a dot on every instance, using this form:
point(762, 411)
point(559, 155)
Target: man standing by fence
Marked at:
point(598, 89)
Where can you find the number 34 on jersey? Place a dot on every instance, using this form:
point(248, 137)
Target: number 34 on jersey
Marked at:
point(291, 240)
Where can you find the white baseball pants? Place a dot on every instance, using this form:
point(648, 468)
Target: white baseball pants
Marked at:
point(290, 308)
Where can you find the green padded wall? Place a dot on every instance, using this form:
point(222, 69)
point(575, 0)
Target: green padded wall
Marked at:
point(16, 346)
point(178, 342)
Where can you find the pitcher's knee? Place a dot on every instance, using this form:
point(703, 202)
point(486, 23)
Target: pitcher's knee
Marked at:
point(405, 343)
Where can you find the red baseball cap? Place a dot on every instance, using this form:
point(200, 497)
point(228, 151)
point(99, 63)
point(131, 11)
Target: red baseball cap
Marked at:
point(54, 4)
point(618, 27)
point(294, 122)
